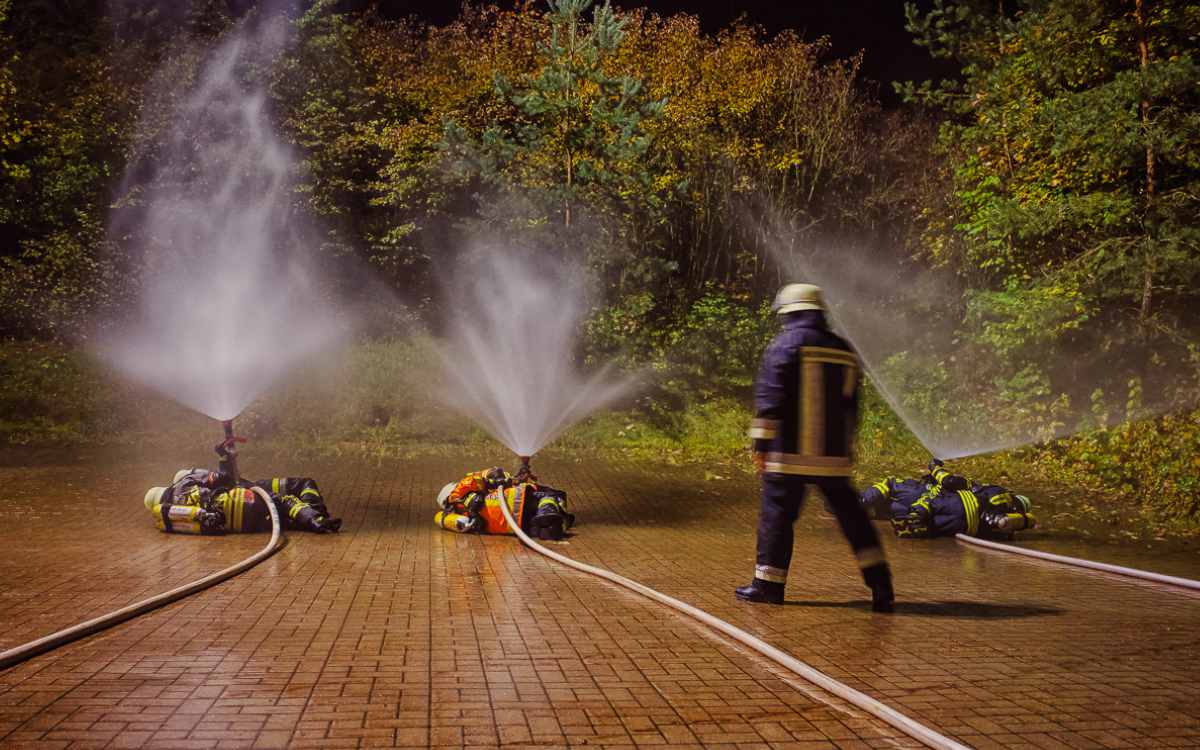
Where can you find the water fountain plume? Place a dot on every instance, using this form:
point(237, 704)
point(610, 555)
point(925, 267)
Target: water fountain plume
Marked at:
point(905, 321)
point(230, 296)
point(509, 357)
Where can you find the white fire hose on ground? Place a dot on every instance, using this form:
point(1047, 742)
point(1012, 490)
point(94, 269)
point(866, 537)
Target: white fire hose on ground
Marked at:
point(15, 656)
point(1144, 575)
point(861, 700)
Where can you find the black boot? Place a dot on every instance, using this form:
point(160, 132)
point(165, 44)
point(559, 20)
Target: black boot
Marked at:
point(547, 523)
point(760, 592)
point(879, 579)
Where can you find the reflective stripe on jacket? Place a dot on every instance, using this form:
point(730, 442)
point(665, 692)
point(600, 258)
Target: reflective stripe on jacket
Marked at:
point(806, 400)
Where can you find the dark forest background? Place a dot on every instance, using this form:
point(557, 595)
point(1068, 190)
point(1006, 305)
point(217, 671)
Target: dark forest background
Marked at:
point(1051, 183)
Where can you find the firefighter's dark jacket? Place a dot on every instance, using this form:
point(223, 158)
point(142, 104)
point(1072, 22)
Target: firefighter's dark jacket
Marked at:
point(806, 400)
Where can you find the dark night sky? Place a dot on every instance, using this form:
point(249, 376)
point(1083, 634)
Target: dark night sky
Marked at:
point(876, 26)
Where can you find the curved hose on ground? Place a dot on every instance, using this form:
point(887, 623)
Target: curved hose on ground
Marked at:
point(1144, 575)
point(15, 656)
point(861, 700)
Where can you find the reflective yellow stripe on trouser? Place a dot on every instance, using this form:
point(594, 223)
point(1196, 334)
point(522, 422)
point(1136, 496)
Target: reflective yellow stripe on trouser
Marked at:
point(770, 573)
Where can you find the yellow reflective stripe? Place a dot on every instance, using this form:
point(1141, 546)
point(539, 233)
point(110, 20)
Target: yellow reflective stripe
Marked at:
point(817, 466)
point(971, 506)
point(770, 573)
point(275, 485)
point(773, 467)
point(812, 407)
point(828, 355)
point(309, 491)
point(764, 429)
point(883, 488)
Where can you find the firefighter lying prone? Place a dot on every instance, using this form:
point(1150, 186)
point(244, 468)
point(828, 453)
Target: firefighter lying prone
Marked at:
point(199, 501)
point(472, 504)
point(945, 504)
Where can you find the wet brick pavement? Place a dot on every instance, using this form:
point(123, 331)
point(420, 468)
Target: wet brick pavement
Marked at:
point(396, 634)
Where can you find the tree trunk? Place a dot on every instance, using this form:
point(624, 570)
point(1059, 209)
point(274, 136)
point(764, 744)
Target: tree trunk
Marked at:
point(1144, 110)
point(567, 125)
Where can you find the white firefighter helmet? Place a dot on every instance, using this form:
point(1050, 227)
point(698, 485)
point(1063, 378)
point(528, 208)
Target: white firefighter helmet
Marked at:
point(794, 297)
point(154, 496)
point(444, 495)
point(181, 474)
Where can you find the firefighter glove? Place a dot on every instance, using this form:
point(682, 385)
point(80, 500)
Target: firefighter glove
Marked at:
point(323, 525)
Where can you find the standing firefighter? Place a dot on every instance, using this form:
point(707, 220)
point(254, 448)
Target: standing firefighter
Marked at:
point(806, 413)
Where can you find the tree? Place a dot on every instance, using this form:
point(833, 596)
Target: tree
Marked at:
point(1074, 140)
point(577, 134)
point(64, 123)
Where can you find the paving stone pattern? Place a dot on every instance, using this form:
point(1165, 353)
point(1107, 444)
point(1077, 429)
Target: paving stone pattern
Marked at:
point(396, 634)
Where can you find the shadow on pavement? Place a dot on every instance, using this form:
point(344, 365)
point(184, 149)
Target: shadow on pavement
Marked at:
point(974, 610)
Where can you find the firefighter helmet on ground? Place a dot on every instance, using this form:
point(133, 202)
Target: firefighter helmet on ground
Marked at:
point(444, 495)
point(796, 297)
point(154, 496)
point(180, 475)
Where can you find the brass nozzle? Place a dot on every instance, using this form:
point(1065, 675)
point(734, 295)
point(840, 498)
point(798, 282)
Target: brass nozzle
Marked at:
point(524, 473)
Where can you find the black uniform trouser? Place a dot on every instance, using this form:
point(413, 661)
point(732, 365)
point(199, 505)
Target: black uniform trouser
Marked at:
point(782, 499)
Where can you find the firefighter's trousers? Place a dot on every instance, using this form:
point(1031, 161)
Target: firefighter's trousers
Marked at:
point(298, 499)
point(782, 499)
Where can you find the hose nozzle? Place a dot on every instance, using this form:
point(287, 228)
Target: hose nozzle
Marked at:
point(524, 473)
point(227, 451)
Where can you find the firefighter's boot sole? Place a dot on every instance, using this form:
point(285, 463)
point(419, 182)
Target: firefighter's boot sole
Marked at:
point(548, 526)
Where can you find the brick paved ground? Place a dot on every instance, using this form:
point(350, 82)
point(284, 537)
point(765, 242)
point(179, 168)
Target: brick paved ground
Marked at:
point(394, 633)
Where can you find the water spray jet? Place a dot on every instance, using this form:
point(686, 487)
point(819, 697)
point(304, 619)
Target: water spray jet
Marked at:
point(523, 398)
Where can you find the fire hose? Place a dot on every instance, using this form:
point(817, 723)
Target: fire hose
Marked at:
point(893, 717)
point(1144, 575)
point(15, 656)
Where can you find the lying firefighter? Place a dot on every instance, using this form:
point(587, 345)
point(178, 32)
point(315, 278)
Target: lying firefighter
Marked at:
point(199, 501)
point(945, 504)
point(472, 504)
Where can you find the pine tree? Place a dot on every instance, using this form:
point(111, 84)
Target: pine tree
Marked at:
point(577, 135)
